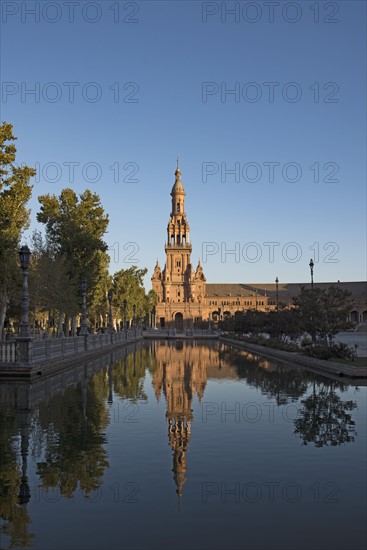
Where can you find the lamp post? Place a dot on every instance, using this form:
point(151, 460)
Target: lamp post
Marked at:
point(311, 264)
point(83, 324)
point(277, 285)
point(110, 322)
point(134, 317)
point(141, 320)
point(125, 326)
point(24, 349)
point(153, 318)
point(24, 257)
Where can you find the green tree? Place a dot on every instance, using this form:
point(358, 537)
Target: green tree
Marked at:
point(98, 304)
point(283, 324)
point(75, 227)
point(52, 290)
point(323, 312)
point(15, 192)
point(128, 285)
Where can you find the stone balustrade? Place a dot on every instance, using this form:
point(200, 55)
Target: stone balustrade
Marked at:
point(50, 349)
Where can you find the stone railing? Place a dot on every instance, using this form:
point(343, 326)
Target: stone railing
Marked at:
point(186, 333)
point(50, 349)
point(7, 352)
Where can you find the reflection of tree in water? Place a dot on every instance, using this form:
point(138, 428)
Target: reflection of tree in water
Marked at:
point(324, 418)
point(279, 381)
point(69, 431)
point(14, 490)
point(128, 375)
point(74, 425)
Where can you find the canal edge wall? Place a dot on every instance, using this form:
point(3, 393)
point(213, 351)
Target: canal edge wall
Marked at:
point(318, 366)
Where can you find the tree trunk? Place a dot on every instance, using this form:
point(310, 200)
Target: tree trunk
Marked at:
point(73, 325)
point(67, 325)
point(4, 302)
point(61, 320)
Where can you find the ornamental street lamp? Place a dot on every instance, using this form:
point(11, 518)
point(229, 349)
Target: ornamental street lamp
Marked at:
point(24, 347)
point(83, 324)
point(141, 319)
point(110, 322)
point(277, 283)
point(24, 257)
point(311, 264)
point(134, 317)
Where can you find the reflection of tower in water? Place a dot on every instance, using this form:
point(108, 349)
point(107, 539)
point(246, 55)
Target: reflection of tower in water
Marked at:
point(179, 437)
point(180, 373)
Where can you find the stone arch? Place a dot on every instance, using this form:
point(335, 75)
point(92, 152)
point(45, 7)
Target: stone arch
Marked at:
point(354, 316)
point(179, 321)
point(215, 315)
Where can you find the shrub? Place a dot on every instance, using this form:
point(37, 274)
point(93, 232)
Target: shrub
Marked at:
point(335, 351)
point(306, 341)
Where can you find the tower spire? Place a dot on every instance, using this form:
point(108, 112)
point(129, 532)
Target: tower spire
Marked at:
point(178, 171)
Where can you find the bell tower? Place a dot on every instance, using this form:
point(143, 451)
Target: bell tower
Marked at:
point(180, 289)
point(177, 272)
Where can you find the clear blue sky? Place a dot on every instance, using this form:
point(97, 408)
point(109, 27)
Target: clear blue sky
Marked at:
point(168, 53)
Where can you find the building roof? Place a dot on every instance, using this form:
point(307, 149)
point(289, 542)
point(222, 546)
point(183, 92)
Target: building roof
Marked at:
point(358, 289)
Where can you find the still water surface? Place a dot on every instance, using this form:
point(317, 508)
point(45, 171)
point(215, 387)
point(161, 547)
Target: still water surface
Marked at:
point(183, 445)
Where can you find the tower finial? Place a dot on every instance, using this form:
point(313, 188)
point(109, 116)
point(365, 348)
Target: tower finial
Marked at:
point(178, 171)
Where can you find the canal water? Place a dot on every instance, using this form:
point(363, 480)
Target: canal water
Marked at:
point(171, 444)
